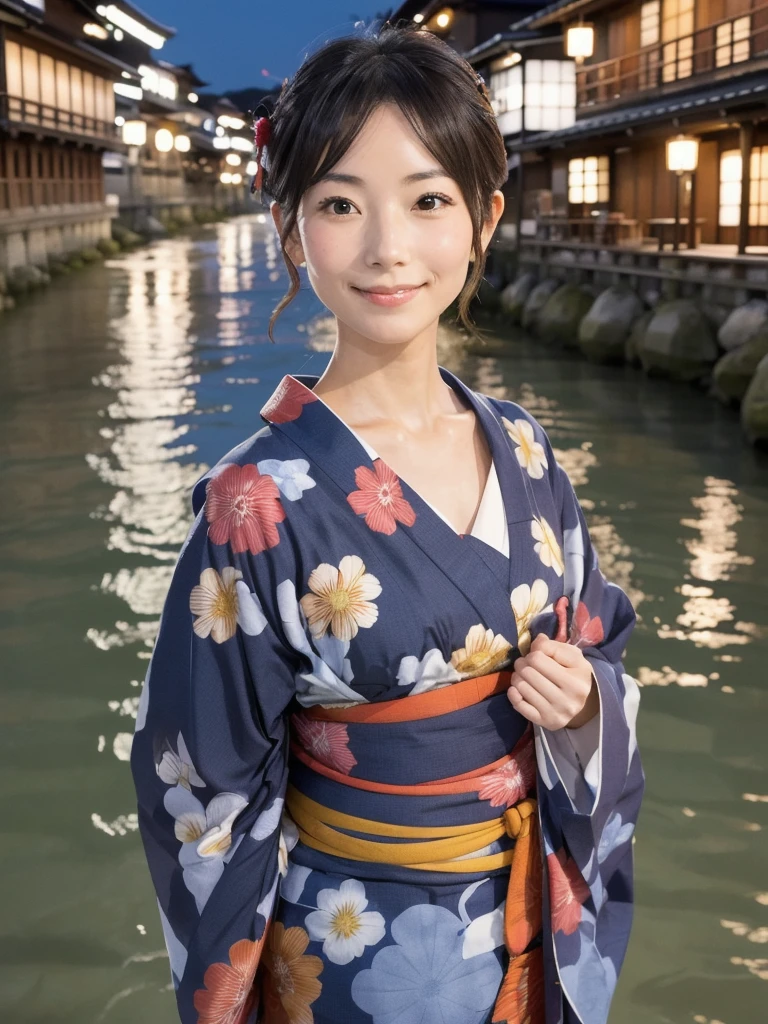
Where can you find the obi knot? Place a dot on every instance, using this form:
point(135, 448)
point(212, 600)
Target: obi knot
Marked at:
point(517, 819)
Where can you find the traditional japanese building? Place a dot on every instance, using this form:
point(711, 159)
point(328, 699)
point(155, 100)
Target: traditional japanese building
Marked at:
point(671, 121)
point(57, 117)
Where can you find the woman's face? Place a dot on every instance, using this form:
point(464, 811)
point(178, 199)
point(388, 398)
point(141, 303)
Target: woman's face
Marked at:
point(384, 231)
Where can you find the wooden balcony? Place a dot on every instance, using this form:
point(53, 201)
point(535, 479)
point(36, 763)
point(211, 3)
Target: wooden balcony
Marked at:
point(722, 49)
point(35, 194)
point(18, 112)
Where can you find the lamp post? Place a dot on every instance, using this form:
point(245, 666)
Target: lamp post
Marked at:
point(683, 158)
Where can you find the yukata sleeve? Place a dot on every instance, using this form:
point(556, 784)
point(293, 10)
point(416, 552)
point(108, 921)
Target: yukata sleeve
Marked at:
point(598, 764)
point(209, 764)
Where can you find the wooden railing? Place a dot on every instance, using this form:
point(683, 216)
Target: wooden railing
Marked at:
point(723, 46)
point(21, 111)
point(19, 193)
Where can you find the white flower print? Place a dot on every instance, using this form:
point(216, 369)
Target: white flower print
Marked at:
point(341, 598)
point(222, 602)
point(431, 673)
point(177, 769)
point(331, 669)
point(206, 837)
point(342, 923)
point(290, 476)
point(268, 820)
point(528, 602)
point(289, 837)
point(530, 453)
point(546, 546)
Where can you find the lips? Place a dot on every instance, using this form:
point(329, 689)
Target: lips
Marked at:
point(397, 298)
point(390, 291)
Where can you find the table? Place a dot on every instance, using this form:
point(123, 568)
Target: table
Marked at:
point(663, 228)
point(615, 230)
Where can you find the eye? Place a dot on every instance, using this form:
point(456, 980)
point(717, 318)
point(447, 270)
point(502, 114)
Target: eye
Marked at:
point(333, 200)
point(436, 195)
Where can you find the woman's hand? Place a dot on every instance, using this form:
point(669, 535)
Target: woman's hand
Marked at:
point(553, 685)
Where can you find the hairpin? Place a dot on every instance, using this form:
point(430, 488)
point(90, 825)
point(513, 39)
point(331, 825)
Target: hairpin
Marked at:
point(261, 137)
point(481, 87)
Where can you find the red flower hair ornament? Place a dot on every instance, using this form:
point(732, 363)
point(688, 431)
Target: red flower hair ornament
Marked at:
point(262, 132)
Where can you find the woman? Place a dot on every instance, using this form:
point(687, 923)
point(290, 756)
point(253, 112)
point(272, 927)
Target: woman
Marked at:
point(385, 754)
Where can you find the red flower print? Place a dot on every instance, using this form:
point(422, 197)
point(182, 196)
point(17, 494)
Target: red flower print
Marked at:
point(288, 401)
point(229, 996)
point(512, 782)
point(567, 892)
point(380, 498)
point(585, 632)
point(327, 742)
point(243, 507)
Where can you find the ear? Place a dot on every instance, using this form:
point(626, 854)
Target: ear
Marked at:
point(292, 244)
point(497, 208)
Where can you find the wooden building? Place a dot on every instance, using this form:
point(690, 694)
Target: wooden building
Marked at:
point(56, 119)
point(690, 73)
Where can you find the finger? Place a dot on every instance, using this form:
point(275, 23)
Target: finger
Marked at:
point(519, 703)
point(544, 665)
point(567, 655)
point(539, 691)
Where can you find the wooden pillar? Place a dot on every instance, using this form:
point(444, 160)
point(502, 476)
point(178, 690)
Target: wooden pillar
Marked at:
point(692, 213)
point(746, 134)
point(676, 229)
point(520, 175)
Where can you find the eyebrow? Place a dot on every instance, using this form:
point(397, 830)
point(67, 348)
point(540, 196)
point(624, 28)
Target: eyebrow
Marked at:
point(351, 179)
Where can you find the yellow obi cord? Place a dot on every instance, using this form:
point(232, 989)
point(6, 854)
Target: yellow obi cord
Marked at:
point(437, 850)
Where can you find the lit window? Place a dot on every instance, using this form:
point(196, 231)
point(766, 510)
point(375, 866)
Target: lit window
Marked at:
point(732, 41)
point(758, 187)
point(588, 180)
point(506, 91)
point(730, 188)
point(650, 21)
point(549, 97)
point(677, 36)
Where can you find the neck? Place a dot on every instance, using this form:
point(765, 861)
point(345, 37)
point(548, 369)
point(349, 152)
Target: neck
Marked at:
point(387, 384)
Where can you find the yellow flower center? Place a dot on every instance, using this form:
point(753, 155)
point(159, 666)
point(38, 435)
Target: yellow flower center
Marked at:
point(282, 975)
point(225, 603)
point(339, 600)
point(346, 921)
point(476, 661)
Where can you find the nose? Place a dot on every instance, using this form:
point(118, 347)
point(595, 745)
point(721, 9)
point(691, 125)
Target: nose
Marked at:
point(386, 236)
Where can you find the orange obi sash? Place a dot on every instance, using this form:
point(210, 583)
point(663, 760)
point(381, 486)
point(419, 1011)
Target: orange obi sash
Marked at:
point(459, 848)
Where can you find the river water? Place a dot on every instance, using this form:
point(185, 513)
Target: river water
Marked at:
point(119, 386)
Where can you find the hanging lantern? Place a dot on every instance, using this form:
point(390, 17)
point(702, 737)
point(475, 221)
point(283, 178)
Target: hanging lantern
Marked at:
point(580, 42)
point(682, 154)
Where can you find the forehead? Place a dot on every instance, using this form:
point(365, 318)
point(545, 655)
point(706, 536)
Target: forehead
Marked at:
point(385, 145)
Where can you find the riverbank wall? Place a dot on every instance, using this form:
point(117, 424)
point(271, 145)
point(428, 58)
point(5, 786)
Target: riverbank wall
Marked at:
point(33, 252)
point(661, 321)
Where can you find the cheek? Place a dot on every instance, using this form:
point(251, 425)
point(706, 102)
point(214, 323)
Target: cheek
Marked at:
point(446, 254)
point(322, 250)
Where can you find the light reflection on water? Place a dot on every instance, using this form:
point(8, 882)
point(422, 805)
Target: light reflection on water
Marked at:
point(119, 388)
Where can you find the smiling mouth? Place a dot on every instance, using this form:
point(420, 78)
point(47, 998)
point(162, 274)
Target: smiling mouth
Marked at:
point(397, 291)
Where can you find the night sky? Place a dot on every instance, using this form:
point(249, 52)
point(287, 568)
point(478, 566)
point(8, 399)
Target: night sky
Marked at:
point(233, 44)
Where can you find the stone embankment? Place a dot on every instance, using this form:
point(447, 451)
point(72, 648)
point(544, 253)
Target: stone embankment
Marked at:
point(726, 352)
point(23, 281)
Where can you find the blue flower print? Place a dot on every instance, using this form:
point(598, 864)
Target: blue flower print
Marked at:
point(424, 979)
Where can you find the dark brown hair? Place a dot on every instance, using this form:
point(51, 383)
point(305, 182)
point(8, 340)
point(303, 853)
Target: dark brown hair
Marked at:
point(334, 92)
